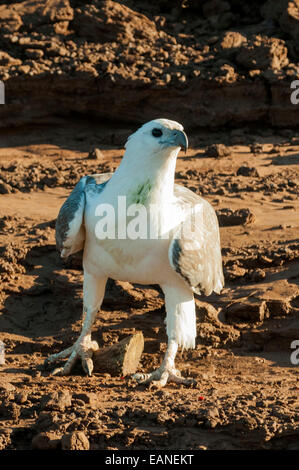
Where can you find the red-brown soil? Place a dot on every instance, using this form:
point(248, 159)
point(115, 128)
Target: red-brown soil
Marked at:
point(83, 75)
point(207, 63)
point(247, 392)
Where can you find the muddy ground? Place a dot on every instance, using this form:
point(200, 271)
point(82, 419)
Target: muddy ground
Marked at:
point(247, 387)
point(83, 75)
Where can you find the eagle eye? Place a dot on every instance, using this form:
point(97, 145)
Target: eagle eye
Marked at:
point(157, 132)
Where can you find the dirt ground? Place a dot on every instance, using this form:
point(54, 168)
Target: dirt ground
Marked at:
point(81, 76)
point(247, 387)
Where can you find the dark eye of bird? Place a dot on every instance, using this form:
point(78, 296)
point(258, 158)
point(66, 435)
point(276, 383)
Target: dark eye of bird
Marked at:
point(157, 132)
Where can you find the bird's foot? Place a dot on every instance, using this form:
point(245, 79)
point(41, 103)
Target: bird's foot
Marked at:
point(161, 376)
point(83, 348)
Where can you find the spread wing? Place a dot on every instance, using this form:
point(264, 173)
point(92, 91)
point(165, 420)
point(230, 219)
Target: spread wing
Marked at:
point(70, 230)
point(194, 250)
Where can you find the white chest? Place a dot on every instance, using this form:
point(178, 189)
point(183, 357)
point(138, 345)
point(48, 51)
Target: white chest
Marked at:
point(129, 241)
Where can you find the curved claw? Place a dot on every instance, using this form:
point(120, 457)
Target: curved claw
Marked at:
point(87, 365)
point(161, 382)
point(81, 349)
point(161, 376)
point(57, 371)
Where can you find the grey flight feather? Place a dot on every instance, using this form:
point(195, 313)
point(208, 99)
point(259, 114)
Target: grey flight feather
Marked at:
point(197, 259)
point(70, 230)
point(196, 256)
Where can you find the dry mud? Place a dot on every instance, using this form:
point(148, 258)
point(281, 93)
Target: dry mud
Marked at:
point(247, 391)
point(209, 63)
point(80, 77)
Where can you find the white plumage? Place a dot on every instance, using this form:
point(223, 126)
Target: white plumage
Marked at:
point(179, 260)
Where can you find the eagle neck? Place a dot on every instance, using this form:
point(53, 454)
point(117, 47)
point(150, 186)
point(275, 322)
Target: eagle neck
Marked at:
point(147, 181)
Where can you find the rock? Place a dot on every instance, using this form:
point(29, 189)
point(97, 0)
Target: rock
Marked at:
point(9, 19)
point(234, 272)
point(45, 420)
point(21, 398)
point(257, 275)
point(6, 386)
point(263, 53)
point(5, 188)
point(95, 154)
point(249, 310)
point(278, 308)
point(118, 55)
point(76, 440)
point(5, 437)
point(247, 171)
point(8, 60)
point(289, 20)
point(217, 151)
point(37, 15)
point(9, 410)
point(231, 41)
point(89, 398)
point(228, 73)
point(206, 312)
point(45, 441)
point(34, 53)
point(256, 148)
point(211, 417)
point(285, 13)
point(57, 401)
point(108, 21)
point(228, 217)
point(121, 358)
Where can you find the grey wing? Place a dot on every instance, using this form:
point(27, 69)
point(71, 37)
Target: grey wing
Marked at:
point(70, 230)
point(194, 250)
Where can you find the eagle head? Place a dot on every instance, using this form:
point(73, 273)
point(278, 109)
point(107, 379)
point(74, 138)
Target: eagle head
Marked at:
point(158, 136)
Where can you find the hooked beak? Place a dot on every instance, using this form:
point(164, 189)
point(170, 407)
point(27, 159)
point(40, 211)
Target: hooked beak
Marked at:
point(179, 139)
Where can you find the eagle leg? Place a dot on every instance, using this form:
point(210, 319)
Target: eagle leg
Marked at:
point(181, 331)
point(166, 372)
point(84, 347)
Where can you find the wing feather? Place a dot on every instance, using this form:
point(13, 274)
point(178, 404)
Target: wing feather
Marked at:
point(70, 230)
point(195, 251)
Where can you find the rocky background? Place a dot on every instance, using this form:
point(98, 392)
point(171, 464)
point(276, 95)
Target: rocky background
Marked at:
point(80, 76)
point(209, 63)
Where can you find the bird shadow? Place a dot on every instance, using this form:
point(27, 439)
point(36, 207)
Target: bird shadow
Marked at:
point(45, 315)
point(287, 159)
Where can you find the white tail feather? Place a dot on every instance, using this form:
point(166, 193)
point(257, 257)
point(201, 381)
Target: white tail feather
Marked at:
point(180, 316)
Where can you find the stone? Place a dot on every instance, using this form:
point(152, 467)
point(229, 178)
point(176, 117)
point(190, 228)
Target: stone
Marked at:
point(278, 308)
point(234, 272)
point(231, 41)
point(121, 358)
point(75, 440)
point(6, 386)
point(88, 398)
point(263, 53)
point(257, 275)
point(217, 151)
point(45, 441)
point(108, 21)
point(95, 154)
point(247, 310)
point(57, 401)
point(247, 171)
point(21, 398)
point(34, 53)
point(228, 217)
